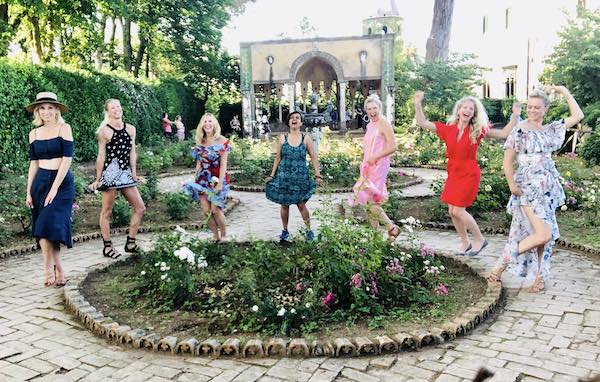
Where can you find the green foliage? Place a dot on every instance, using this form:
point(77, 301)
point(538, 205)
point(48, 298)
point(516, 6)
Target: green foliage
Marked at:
point(149, 190)
point(350, 272)
point(575, 64)
point(443, 82)
point(13, 189)
point(142, 104)
point(178, 205)
point(121, 213)
point(590, 151)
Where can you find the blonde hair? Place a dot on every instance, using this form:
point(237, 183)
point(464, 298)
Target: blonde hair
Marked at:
point(200, 136)
point(37, 120)
point(478, 123)
point(538, 93)
point(373, 98)
point(105, 120)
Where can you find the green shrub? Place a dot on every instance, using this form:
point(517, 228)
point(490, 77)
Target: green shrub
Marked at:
point(149, 190)
point(121, 213)
point(85, 94)
point(178, 205)
point(590, 150)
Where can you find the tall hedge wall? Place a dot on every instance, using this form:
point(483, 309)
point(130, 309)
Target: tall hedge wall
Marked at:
point(85, 94)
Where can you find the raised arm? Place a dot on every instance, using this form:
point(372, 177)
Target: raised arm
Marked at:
point(419, 115)
point(505, 131)
point(576, 113)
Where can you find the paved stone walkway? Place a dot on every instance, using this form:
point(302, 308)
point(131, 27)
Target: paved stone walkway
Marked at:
point(551, 336)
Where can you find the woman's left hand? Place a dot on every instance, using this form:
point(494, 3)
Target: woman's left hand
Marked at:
point(372, 161)
point(51, 195)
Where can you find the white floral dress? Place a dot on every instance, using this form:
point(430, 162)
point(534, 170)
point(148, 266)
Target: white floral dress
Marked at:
point(538, 179)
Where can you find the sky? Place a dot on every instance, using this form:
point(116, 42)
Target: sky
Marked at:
point(268, 19)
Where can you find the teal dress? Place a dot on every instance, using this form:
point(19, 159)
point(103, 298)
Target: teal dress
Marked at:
point(292, 183)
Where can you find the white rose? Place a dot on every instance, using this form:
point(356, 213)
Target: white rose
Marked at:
point(307, 305)
point(183, 253)
point(163, 276)
point(564, 207)
point(255, 308)
point(442, 267)
point(309, 290)
point(281, 312)
point(293, 311)
point(488, 188)
point(142, 273)
point(426, 262)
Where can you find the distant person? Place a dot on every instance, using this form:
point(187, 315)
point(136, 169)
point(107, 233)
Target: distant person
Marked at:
point(180, 128)
point(236, 126)
point(166, 126)
point(359, 118)
point(334, 119)
point(266, 127)
point(50, 184)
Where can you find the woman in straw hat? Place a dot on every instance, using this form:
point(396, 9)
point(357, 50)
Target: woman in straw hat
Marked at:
point(50, 185)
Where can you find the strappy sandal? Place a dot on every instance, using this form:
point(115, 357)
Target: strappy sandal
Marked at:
point(537, 286)
point(109, 251)
point(50, 278)
point(393, 233)
point(131, 246)
point(62, 282)
point(495, 275)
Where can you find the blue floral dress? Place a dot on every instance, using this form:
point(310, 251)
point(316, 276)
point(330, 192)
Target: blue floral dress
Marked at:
point(292, 183)
point(203, 184)
point(538, 178)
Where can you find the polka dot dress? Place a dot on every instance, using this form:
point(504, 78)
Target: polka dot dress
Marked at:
point(117, 167)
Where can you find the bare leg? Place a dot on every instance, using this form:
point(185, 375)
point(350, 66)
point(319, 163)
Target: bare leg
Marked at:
point(60, 272)
point(284, 211)
point(48, 261)
point(305, 213)
point(108, 201)
point(219, 219)
point(466, 219)
point(460, 228)
point(379, 215)
point(133, 197)
point(205, 205)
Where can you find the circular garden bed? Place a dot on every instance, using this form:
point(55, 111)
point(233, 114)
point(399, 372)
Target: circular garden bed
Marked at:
point(348, 292)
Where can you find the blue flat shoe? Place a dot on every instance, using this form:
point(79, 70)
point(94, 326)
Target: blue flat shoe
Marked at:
point(475, 253)
point(469, 247)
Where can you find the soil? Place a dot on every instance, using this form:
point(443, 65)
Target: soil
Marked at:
point(106, 289)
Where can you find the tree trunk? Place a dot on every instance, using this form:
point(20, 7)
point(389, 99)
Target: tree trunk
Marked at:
point(148, 64)
point(112, 54)
point(439, 38)
point(127, 49)
point(99, 56)
point(4, 20)
point(37, 53)
point(140, 54)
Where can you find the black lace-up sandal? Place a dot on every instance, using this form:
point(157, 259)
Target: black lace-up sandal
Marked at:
point(131, 246)
point(109, 250)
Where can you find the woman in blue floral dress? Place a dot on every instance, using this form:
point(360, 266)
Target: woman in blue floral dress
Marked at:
point(211, 184)
point(536, 190)
point(290, 182)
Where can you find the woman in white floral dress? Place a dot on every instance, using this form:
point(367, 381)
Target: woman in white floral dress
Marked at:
point(536, 190)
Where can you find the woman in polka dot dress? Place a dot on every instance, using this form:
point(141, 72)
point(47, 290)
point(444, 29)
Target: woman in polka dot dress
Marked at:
point(116, 170)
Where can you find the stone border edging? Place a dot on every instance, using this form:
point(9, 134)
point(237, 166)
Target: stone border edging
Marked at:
point(83, 237)
point(234, 347)
point(345, 190)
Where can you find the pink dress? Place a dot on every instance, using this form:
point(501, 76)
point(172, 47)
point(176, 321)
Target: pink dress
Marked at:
point(370, 186)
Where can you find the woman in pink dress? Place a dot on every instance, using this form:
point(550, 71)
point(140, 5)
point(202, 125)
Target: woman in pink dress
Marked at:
point(370, 189)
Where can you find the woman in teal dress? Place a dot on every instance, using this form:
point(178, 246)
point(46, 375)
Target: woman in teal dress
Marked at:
point(290, 182)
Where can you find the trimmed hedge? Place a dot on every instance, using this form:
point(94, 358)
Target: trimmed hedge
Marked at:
point(85, 93)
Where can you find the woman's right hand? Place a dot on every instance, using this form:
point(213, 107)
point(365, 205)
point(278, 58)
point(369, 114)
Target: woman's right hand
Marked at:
point(514, 189)
point(93, 186)
point(29, 201)
point(419, 96)
point(268, 179)
point(516, 108)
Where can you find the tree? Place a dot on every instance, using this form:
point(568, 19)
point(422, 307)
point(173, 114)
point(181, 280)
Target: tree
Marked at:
point(575, 62)
point(439, 37)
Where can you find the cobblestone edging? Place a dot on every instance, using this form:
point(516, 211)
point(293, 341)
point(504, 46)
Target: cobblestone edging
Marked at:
point(81, 238)
point(345, 190)
point(235, 347)
point(171, 174)
point(503, 231)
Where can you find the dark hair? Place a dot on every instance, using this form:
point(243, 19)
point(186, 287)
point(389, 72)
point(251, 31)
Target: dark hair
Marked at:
point(164, 115)
point(292, 113)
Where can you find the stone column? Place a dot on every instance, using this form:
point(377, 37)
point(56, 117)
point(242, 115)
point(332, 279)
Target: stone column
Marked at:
point(248, 112)
point(292, 95)
point(247, 89)
point(342, 107)
point(280, 119)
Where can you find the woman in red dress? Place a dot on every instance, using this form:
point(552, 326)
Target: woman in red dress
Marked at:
point(462, 134)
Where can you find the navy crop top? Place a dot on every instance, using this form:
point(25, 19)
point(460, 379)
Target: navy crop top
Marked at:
point(50, 148)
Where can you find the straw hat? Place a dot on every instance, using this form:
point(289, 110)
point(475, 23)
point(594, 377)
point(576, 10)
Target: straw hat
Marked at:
point(46, 97)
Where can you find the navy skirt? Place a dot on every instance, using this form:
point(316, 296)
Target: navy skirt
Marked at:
point(52, 222)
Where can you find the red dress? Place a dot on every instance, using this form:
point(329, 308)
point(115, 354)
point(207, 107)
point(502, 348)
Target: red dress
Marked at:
point(463, 171)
